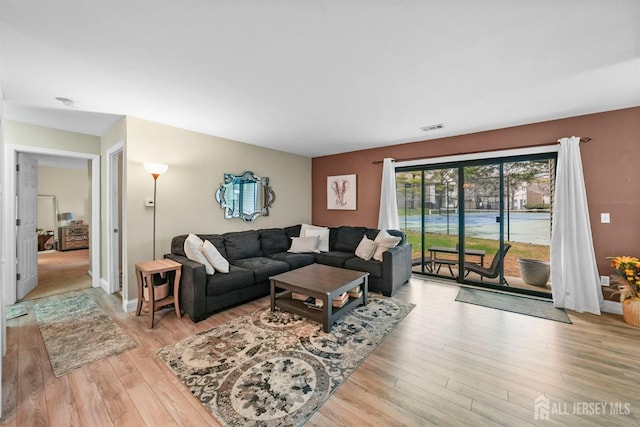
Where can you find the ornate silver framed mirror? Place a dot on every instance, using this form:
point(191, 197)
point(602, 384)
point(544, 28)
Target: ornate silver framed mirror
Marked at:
point(245, 196)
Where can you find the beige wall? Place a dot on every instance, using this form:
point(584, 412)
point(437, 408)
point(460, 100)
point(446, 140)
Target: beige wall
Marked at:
point(186, 192)
point(71, 188)
point(37, 136)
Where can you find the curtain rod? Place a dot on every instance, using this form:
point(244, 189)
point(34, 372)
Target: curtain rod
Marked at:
point(543, 144)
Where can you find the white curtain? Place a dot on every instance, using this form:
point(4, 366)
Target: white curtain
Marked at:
point(574, 273)
point(388, 217)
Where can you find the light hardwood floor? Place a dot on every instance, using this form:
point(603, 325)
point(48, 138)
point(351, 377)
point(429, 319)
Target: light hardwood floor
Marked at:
point(447, 363)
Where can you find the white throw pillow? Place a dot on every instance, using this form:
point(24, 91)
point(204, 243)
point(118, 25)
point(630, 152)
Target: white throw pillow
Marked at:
point(300, 245)
point(307, 230)
point(192, 246)
point(323, 237)
point(384, 241)
point(213, 255)
point(366, 248)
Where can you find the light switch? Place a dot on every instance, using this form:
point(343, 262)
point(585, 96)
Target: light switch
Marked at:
point(605, 218)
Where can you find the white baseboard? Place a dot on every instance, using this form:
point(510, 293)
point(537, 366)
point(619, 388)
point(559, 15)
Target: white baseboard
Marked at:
point(104, 285)
point(612, 307)
point(130, 306)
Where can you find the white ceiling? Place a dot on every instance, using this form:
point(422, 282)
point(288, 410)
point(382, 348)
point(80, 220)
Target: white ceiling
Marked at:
point(317, 77)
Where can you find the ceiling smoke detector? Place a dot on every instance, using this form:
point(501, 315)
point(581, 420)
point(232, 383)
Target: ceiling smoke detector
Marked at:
point(68, 102)
point(432, 127)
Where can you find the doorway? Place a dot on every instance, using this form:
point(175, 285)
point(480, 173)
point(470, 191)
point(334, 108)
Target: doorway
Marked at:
point(12, 194)
point(476, 221)
point(115, 170)
point(47, 221)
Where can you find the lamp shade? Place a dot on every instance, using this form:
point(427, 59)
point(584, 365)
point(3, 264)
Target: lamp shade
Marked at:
point(155, 168)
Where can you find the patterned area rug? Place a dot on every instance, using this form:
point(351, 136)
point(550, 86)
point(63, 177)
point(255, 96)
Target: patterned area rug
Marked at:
point(513, 303)
point(277, 369)
point(15, 310)
point(76, 332)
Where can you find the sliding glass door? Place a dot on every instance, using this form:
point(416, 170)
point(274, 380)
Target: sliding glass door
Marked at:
point(483, 222)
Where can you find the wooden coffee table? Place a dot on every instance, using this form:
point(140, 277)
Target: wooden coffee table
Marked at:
point(318, 281)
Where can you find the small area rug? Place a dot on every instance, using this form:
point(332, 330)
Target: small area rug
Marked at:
point(15, 310)
point(513, 303)
point(277, 368)
point(76, 332)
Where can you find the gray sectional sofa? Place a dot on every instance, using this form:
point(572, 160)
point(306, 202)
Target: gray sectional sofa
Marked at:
point(256, 255)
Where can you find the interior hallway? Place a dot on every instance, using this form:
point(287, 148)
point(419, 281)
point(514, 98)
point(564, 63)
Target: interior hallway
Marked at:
point(60, 272)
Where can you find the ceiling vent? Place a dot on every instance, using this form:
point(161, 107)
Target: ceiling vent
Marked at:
point(432, 127)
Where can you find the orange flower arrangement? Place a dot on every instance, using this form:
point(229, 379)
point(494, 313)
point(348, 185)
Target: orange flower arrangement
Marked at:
point(628, 280)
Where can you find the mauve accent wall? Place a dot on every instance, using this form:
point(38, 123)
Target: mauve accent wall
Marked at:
point(611, 162)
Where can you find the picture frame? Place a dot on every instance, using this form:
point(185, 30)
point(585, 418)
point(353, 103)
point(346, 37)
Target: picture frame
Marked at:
point(342, 192)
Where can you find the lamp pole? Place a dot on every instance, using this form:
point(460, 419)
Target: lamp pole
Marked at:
point(155, 182)
point(155, 169)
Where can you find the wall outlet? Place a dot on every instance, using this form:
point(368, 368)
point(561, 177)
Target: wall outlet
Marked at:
point(604, 280)
point(148, 203)
point(605, 218)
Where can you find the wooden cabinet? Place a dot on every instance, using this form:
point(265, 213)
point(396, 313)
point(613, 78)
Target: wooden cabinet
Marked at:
point(42, 239)
point(74, 237)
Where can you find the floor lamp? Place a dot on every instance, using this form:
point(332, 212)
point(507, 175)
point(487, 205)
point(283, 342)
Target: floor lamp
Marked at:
point(155, 169)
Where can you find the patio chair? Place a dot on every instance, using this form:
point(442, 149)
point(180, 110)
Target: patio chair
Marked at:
point(493, 270)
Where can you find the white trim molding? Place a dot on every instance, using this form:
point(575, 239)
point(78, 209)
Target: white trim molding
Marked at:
point(9, 213)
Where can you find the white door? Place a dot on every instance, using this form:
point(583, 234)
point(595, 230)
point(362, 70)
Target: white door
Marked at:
point(27, 214)
point(114, 189)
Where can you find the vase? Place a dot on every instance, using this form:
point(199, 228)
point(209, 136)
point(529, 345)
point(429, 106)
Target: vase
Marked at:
point(534, 272)
point(631, 311)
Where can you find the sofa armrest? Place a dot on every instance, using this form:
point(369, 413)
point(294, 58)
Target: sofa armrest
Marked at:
point(193, 286)
point(396, 267)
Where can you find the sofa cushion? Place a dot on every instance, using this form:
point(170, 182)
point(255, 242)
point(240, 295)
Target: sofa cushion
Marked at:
point(273, 240)
point(333, 258)
point(307, 230)
point(301, 245)
point(293, 231)
point(294, 260)
point(384, 241)
point(237, 278)
point(366, 248)
point(177, 245)
point(348, 238)
point(333, 236)
point(192, 248)
point(217, 240)
point(373, 267)
point(372, 233)
point(400, 234)
point(216, 259)
point(242, 244)
point(262, 267)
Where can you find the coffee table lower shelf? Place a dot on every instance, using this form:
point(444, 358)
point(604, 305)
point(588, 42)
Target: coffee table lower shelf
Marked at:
point(284, 301)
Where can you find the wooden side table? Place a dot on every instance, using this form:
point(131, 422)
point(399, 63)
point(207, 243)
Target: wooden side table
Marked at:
point(144, 272)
